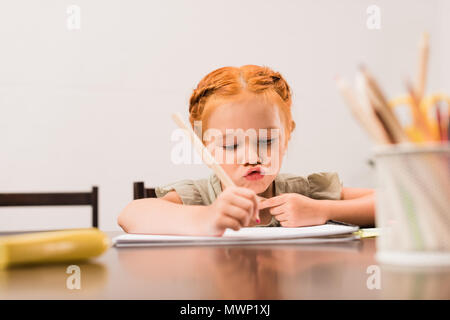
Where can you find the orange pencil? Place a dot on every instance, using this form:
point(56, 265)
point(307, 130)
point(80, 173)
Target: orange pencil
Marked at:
point(424, 48)
point(420, 120)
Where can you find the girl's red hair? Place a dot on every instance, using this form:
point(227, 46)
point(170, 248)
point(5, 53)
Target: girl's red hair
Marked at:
point(229, 82)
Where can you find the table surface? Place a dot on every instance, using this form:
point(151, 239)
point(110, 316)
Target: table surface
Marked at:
point(321, 271)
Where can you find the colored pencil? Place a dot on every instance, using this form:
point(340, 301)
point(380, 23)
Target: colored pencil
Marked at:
point(382, 108)
point(364, 115)
point(420, 121)
point(440, 126)
point(424, 48)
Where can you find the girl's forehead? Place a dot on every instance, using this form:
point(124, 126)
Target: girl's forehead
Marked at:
point(248, 114)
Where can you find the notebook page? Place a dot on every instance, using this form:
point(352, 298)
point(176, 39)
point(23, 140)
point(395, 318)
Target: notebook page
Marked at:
point(244, 234)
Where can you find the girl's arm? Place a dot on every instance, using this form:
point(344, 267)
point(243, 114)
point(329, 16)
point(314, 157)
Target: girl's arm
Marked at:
point(166, 215)
point(234, 208)
point(353, 193)
point(357, 206)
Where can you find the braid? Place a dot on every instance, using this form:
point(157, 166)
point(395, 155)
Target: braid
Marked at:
point(282, 87)
point(229, 81)
point(198, 100)
point(267, 78)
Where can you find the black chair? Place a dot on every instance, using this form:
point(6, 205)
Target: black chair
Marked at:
point(140, 192)
point(54, 199)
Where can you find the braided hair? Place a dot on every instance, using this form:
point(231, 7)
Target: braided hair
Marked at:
point(227, 82)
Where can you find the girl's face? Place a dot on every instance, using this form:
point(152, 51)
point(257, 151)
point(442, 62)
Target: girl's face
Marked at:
point(247, 135)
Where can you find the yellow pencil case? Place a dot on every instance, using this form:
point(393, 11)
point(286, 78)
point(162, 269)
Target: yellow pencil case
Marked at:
point(52, 246)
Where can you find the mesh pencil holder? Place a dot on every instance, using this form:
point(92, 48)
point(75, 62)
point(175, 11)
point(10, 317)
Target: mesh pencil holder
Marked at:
point(413, 204)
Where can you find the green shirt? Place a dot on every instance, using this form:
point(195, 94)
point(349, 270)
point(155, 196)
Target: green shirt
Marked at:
point(323, 185)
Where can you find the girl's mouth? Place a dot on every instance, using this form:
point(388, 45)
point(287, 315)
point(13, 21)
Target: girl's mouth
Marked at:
point(254, 174)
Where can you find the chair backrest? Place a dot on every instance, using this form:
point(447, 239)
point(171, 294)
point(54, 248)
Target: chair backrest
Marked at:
point(140, 192)
point(54, 199)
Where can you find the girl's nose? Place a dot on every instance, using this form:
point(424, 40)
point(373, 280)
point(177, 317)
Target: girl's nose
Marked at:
point(251, 153)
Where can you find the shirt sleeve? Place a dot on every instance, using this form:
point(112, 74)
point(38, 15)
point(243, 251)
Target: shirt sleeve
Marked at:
point(186, 189)
point(324, 185)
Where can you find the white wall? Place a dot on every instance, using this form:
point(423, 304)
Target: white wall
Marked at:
point(443, 47)
point(92, 106)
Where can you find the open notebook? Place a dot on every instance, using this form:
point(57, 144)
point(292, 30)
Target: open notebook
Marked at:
point(329, 232)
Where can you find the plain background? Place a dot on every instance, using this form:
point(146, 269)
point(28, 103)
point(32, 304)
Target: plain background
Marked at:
point(92, 106)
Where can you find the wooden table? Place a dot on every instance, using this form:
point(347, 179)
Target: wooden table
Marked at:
point(331, 271)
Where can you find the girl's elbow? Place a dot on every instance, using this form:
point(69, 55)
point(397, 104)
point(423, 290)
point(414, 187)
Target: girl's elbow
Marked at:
point(124, 220)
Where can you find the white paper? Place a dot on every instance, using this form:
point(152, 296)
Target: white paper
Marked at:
point(261, 235)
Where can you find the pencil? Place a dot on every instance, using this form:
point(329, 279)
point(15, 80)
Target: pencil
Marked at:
point(420, 121)
point(448, 128)
point(441, 135)
point(382, 108)
point(375, 118)
point(365, 117)
point(423, 66)
point(204, 153)
point(206, 156)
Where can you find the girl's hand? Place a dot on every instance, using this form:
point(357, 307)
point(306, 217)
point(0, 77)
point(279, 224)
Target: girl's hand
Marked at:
point(296, 210)
point(234, 208)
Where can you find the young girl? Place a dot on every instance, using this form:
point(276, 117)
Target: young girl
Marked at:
point(251, 99)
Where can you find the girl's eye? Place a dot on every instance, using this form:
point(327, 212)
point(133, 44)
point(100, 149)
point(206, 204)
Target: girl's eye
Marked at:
point(235, 146)
point(231, 147)
point(269, 141)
